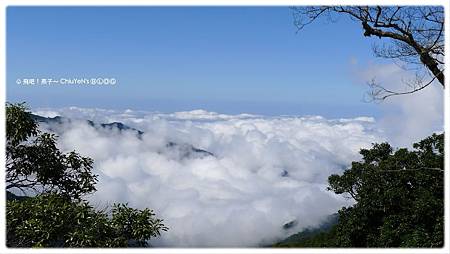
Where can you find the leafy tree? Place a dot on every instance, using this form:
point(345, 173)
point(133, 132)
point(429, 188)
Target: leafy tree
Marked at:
point(399, 198)
point(51, 220)
point(34, 164)
point(52, 213)
point(415, 36)
point(399, 195)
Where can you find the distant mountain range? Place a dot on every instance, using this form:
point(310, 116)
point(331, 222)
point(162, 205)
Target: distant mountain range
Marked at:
point(179, 150)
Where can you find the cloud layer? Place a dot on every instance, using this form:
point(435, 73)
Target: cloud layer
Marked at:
point(265, 172)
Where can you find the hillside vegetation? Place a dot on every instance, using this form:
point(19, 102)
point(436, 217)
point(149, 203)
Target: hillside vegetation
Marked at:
point(399, 198)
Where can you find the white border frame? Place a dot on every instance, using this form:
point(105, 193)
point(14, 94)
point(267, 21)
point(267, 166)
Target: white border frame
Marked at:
point(5, 3)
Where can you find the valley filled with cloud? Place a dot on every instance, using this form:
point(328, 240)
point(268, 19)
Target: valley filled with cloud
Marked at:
point(217, 180)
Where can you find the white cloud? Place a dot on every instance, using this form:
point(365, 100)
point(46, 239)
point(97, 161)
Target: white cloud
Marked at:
point(406, 118)
point(200, 114)
point(236, 198)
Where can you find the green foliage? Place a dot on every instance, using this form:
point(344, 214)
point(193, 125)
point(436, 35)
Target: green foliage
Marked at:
point(19, 126)
point(57, 216)
point(138, 225)
point(399, 199)
point(34, 164)
point(51, 220)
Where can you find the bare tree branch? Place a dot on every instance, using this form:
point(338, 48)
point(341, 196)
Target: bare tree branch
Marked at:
point(415, 35)
point(379, 92)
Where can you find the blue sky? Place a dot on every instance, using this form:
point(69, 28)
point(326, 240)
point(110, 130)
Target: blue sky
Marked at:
point(223, 59)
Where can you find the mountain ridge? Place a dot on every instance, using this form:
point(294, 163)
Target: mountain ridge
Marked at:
point(184, 150)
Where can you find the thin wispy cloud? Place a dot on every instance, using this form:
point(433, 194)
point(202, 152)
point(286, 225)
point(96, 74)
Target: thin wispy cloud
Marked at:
point(406, 118)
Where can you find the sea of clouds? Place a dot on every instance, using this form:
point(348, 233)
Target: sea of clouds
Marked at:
point(265, 172)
